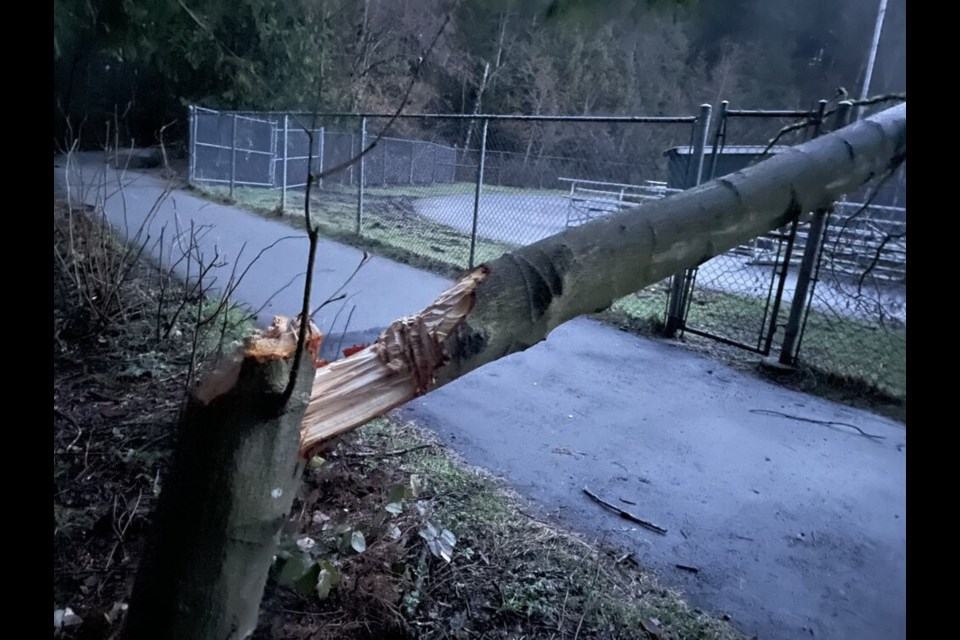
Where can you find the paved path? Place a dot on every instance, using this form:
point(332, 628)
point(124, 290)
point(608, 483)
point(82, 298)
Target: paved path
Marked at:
point(798, 529)
point(381, 292)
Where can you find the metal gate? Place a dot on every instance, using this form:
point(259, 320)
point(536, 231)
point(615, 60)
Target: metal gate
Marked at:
point(736, 298)
point(231, 149)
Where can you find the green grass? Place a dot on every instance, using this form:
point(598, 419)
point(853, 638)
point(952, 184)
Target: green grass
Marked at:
point(447, 189)
point(390, 227)
point(847, 349)
point(534, 579)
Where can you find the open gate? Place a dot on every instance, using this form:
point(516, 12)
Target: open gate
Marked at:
point(736, 298)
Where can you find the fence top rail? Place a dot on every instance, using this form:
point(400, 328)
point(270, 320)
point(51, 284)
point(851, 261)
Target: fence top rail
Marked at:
point(617, 194)
point(654, 185)
point(249, 116)
point(630, 201)
point(771, 113)
point(239, 149)
point(240, 116)
point(469, 116)
point(878, 207)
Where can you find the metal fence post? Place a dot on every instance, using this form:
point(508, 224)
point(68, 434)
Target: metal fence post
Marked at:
point(720, 135)
point(353, 145)
point(274, 134)
point(283, 183)
point(413, 151)
point(383, 164)
point(811, 250)
point(193, 142)
point(233, 155)
point(323, 134)
point(476, 194)
point(678, 288)
point(363, 145)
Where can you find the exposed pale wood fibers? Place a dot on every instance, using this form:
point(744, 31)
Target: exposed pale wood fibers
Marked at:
point(398, 367)
point(276, 342)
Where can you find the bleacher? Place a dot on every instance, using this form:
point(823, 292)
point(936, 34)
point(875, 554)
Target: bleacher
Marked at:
point(591, 199)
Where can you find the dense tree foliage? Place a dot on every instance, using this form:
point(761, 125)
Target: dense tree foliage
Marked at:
point(551, 56)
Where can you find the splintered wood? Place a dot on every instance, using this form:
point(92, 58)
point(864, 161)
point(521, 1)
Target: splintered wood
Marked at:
point(279, 340)
point(276, 342)
point(398, 367)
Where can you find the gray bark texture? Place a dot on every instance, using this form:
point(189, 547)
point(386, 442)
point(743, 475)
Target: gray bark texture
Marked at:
point(235, 472)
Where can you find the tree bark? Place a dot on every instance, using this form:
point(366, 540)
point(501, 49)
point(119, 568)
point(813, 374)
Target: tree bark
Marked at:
point(514, 302)
point(235, 472)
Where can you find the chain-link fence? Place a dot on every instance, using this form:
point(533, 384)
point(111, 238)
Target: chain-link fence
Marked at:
point(856, 317)
point(456, 191)
point(827, 291)
point(447, 190)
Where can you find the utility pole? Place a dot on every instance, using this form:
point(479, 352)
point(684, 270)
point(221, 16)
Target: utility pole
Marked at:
point(872, 58)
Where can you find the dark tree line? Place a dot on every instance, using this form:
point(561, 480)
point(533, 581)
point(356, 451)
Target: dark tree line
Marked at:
point(651, 57)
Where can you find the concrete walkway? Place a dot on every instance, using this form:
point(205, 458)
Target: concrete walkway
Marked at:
point(798, 529)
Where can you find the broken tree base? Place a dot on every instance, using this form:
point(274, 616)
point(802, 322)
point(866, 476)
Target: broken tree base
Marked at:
point(236, 470)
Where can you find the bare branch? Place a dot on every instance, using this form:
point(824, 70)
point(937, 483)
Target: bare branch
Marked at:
point(335, 295)
point(876, 257)
point(345, 327)
point(396, 114)
point(313, 231)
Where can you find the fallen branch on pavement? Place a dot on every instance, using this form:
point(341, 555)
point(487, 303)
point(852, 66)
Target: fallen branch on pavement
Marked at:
point(826, 423)
point(625, 514)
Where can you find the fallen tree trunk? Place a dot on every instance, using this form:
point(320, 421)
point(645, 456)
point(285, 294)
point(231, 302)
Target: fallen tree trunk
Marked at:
point(235, 472)
point(514, 302)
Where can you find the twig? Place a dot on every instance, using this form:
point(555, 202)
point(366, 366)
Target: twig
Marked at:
point(73, 422)
point(386, 454)
point(803, 124)
point(888, 97)
point(344, 332)
point(812, 120)
point(338, 298)
point(97, 395)
point(260, 309)
point(66, 416)
point(336, 295)
point(625, 514)
point(532, 517)
point(687, 568)
point(403, 103)
point(876, 190)
point(336, 316)
point(826, 423)
point(313, 232)
point(80, 572)
point(876, 257)
point(593, 586)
